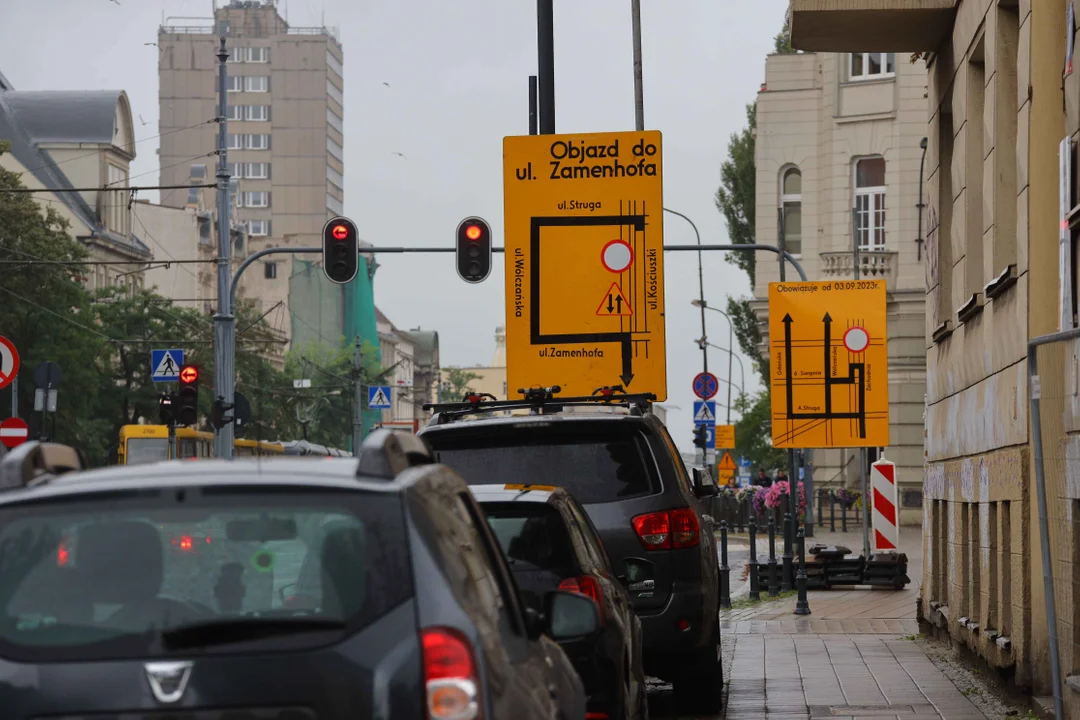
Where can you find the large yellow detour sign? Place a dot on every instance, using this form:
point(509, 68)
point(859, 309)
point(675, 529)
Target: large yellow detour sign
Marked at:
point(584, 238)
point(829, 363)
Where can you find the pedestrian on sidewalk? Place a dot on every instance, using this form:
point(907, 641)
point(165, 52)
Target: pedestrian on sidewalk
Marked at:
point(763, 479)
point(781, 476)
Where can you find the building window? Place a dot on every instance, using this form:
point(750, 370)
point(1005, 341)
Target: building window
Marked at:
point(198, 172)
point(257, 171)
point(258, 228)
point(116, 209)
point(257, 55)
point(333, 63)
point(791, 202)
point(256, 83)
point(236, 141)
point(234, 83)
point(236, 170)
point(867, 66)
point(193, 196)
point(333, 92)
point(334, 121)
point(256, 199)
point(870, 203)
point(334, 205)
point(257, 113)
point(334, 149)
point(234, 191)
point(335, 177)
point(258, 141)
point(234, 112)
point(270, 270)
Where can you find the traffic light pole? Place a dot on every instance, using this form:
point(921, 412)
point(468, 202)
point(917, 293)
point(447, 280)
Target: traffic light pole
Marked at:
point(172, 440)
point(224, 318)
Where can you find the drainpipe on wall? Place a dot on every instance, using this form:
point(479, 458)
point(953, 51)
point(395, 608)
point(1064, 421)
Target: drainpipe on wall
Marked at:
point(921, 204)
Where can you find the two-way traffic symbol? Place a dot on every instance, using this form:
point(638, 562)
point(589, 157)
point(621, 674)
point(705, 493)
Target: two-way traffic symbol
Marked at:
point(614, 303)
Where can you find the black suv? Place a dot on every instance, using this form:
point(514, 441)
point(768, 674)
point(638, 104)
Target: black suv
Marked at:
point(160, 590)
point(623, 467)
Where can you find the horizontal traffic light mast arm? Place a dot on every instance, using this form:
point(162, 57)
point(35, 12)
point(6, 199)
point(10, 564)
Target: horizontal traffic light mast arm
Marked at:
point(373, 250)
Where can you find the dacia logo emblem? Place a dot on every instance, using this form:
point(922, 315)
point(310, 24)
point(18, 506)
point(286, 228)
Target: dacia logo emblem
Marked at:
point(168, 680)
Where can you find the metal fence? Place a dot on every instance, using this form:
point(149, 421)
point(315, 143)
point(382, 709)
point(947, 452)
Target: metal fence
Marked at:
point(834, 511)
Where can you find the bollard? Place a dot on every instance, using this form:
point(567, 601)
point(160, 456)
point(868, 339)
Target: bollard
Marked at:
point(787, 574)
point(755, 580)
point(820, 509)
point(802, 606)
point(843, 517)
point(832, 512)
point(774, 591)
point(725, 571)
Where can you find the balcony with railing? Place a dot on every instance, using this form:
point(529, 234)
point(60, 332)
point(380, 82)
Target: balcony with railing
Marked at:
point(873, 265)
point(882, 25)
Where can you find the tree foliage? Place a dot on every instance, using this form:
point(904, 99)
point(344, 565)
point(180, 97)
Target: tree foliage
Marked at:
point(782, 41)
point(752, 433)
point(457, 381)
point(735, 196)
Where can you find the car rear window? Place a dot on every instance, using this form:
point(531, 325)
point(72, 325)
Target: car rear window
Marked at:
point(597, 462)
point(532, 534)
point(100, 576)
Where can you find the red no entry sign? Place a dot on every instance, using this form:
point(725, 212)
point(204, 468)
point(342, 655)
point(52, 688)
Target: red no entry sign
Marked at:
point(13, 431)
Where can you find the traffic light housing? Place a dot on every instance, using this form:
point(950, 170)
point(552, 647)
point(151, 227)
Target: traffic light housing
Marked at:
point(187, 399)
point(700, 436)
point(473, 249)
point(166, 405)
point(217, 413)
point(341, 250)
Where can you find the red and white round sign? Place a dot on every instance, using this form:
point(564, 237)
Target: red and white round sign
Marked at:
point(617, 256)
point(13, 431)
point(9, 362)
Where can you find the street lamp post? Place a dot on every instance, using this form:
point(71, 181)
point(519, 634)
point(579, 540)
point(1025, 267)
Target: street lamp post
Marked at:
point(731, 337)
point(742, 371)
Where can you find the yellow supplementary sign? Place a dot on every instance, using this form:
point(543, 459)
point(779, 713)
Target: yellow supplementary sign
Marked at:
point(584, 238)
point(829, 362)
point(725, 438)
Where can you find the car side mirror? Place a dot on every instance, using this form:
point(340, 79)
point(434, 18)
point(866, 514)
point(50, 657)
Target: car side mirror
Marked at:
point(703, 485)
point(570, 616)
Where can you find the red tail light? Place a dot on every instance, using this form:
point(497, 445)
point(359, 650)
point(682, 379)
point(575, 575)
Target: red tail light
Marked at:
point(684, 528)
point(449, 676)
point(667, 529)
point(588, 586)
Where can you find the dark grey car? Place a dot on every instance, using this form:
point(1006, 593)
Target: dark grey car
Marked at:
point(626, 472)
point(160, 591)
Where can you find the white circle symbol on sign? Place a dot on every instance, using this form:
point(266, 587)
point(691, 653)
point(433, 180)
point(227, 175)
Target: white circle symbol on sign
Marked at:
point(856, 339)
point(617, 256)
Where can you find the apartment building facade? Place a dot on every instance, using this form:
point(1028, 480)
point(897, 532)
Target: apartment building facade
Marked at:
point(837, 153)
point(1001, 266)
point(285, 132)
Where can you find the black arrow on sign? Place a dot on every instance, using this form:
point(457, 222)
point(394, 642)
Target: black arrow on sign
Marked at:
point(627, 362)
point(828, 358)
point(787, 352)
point(610, 307)
point(618, 303)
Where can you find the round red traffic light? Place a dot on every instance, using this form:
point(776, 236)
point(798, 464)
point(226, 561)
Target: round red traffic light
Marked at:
point(189, 374)
point(473, 232)
point(340, 232)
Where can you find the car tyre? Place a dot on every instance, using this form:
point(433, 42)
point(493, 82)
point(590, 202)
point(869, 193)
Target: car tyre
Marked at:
point(699, 688)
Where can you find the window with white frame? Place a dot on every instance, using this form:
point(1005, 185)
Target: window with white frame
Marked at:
point(258, 141)
point(257, 113)
point(334, 121)
point(258, 228)
point(257, 55)
point(256, 83)
point(234, 112)
point(236, 141)
point(870, 203)
point(234, 83)
point(237, 55)
point(256, 199)
point(791, 203)
point(236, 170)
point(333, 64)
point(198, 172)
point(333, 92)
point(234, 192)
point(335, 177)
point(257, 171)
point(115, 205)
point(867, 66)
point(334, 205)
point(334, 149)
point(193, 196)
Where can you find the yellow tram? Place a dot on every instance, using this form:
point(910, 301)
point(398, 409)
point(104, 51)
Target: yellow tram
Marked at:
point(150, 443)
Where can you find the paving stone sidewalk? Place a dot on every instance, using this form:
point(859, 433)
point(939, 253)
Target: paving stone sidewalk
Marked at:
point(853, 657)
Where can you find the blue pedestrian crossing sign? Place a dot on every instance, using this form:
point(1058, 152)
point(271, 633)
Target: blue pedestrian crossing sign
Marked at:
point(704, 412)
point(378, 397)
point(165, 365)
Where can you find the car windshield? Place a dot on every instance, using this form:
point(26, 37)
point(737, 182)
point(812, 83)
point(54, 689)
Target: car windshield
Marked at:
point(596, 464)
point(136, 573)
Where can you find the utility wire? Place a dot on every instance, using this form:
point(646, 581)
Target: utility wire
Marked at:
point(109, 189)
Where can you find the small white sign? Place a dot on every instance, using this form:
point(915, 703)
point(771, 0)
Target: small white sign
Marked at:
point(305, 383)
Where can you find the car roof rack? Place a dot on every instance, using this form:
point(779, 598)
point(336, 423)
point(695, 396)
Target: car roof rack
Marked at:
point(541, 401)
point(385, 453)
point(36, 463)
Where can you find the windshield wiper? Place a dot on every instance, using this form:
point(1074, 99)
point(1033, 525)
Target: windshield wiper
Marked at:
point(223, 632)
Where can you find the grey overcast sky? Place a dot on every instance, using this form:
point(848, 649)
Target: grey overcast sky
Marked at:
point(458, 82)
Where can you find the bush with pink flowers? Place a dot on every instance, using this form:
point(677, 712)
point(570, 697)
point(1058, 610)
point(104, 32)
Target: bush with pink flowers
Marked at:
point(777, 490)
